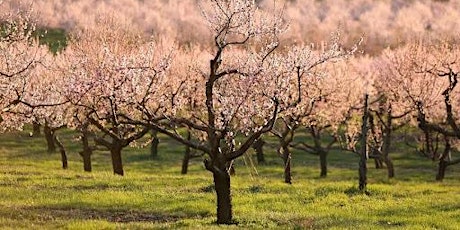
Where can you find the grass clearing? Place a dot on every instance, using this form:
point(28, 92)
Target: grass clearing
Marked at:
point(35, 193)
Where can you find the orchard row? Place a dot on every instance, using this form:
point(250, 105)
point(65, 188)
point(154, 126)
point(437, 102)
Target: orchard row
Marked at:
point(113, 86)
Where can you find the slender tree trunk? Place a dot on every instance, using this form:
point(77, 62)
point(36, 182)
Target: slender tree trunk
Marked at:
point(154, 144)
point(186, 160)
point(49, 136)
point(187, 156)
point(62, 151)
point(35, 129)
point(224, 199)
point(117, 163)
point(363, 154)
point(286, 155)
point(258, 147)
point(323, 163)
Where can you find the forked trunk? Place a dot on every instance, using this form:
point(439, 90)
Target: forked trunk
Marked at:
point(117, 163)
point(323, 163)
point(224, 199)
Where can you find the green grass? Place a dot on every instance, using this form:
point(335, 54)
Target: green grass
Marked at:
point(35, 193)
point(55, 39)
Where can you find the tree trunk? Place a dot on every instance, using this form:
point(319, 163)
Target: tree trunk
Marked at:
point(218, 167)
point(286, 155)
point(323, 163)
point(87, 167)
point(378, 163)
point(87, 151)
point(49, 136)
point(187, 155)
point(387, 144)
point(186, 160)
point(390, 166)
point(117, 163)
point(442, 170)
point(35, 129)
point(363, 154)
point(224, 199)
point(62, 151)
point(154, 144)
point(258, 147)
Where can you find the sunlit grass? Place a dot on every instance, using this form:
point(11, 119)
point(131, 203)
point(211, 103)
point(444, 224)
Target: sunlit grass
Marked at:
point(35, 193)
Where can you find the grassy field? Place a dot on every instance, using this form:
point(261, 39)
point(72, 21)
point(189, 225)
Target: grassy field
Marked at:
point(35, 193)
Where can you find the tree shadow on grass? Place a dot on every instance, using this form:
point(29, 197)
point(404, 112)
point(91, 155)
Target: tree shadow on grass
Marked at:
point(46, 213)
